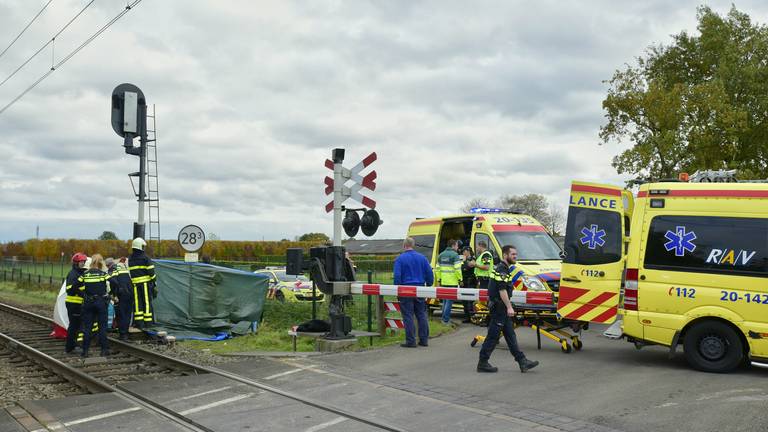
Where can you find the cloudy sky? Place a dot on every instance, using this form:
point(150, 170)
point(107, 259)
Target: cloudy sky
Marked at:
point(459, 99)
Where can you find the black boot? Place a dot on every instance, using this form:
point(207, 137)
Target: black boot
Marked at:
point(484, 366)
point(526, 365)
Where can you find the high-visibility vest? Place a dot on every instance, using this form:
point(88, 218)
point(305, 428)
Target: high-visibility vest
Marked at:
point(449, 264)
point(485, 258)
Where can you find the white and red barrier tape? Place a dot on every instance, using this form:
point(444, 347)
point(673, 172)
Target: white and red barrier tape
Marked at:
point(443, 293)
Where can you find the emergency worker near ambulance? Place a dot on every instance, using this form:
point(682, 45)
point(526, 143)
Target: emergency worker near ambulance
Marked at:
point(468, 280)
point(142, 272)
point(504, 278)
point(449, 274)
point(483, 265)
point(74, 301)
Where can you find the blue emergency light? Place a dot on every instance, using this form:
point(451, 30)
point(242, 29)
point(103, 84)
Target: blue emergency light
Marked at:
point(485, 210)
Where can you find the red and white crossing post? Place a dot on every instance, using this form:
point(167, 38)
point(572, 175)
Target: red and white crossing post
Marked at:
point(337, 186)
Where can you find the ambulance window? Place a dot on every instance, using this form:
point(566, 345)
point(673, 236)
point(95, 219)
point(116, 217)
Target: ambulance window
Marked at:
point(592, 236)
point(483, 238)
point(425, 244)
point(708, 244)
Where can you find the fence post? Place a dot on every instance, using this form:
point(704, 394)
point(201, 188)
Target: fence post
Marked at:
point(370, 309)
point(381, 312)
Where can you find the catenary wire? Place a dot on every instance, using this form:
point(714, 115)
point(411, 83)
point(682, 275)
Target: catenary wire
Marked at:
point(25, 28)
point(71, 54)
point(45, 45)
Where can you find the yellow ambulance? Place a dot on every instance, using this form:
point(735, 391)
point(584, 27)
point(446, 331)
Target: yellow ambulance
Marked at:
point(680, 263)
point(538, 254)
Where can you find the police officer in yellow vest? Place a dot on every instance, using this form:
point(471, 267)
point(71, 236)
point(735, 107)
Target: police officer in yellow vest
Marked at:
point(96, 286)
point(483, 265)
point(449, 274)
point(142, 272)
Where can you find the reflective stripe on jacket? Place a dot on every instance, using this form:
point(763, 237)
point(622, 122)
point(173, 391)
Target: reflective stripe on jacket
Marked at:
point(449, 265)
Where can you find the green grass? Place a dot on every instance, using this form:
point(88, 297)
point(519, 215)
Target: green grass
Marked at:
point(13, 292)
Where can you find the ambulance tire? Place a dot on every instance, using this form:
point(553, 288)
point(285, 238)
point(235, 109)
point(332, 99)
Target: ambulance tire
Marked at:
point(713, 346)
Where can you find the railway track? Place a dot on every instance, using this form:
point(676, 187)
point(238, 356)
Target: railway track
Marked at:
point(27, 335)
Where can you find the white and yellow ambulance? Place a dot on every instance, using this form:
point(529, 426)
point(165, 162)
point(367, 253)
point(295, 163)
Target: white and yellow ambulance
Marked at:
point(682, 263)
point(538, 254)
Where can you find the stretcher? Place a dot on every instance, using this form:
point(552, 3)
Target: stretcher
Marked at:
point(543, 319)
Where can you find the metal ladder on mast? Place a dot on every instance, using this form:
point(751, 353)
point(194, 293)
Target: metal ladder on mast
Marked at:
point(153, 190)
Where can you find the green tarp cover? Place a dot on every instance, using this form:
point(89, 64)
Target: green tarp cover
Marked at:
point(199, 300)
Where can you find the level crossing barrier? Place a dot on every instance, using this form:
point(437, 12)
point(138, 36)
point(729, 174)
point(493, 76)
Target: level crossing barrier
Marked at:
point(537, 298)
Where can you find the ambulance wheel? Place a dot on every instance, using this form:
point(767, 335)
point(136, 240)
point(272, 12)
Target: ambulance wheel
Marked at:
point(577, 344)
point(713, 346)
point(565, 347)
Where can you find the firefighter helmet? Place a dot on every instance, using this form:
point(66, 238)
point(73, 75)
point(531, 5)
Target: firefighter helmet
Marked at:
point(79, 257)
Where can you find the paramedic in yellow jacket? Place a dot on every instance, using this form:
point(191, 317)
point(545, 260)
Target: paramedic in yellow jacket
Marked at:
point(449, 274)
point(142, 272)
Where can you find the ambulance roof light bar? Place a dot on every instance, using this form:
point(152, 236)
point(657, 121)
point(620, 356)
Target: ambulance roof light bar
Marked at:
point(485, 210)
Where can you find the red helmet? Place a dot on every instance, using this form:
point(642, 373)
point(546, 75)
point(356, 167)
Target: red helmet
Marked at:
point(79, 257)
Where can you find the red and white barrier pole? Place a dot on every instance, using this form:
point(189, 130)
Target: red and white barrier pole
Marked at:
point(542, 298)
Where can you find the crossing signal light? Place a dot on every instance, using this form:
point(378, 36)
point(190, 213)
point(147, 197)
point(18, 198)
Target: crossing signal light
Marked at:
point(351, 223)
point(370, 222)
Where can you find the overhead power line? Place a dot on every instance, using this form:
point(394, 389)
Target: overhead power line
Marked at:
point(25, 28)
point(45, 45)
point(72, 53)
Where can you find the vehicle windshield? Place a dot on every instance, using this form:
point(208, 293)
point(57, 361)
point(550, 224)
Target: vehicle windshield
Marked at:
point(290, 278)
point(531, 246)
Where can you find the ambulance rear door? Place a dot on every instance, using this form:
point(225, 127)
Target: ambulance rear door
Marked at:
point(593, 265)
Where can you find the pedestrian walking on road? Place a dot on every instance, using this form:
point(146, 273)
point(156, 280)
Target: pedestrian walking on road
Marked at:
point(504, 278)
point(449, 263)
point(74, 302)
point(412, 268)
point(95, 284)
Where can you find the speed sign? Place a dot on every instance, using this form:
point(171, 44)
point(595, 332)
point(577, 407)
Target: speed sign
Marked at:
point(191, 238)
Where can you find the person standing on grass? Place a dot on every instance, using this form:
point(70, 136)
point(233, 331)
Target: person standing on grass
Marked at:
point(412, 268)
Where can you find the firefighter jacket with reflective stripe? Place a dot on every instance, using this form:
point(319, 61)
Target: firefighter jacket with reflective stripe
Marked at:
point(122, 278)
point(141, 267)
point(95, 283)
point(503, 277)
point(485, 258)
point(74, 294)
point(449, 264)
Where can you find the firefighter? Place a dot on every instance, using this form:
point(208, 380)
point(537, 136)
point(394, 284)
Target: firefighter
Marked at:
point(123, 296)
point(74, 302)
point(96, 285)
point(468, 280)
point(449, 263)
point(504, 278)
point(142, 273)
point(483, 265)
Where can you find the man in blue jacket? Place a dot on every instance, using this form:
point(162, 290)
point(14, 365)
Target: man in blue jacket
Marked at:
point(412, 268)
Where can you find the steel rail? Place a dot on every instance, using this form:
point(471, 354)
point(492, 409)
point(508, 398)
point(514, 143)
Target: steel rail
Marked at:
point(163, 359)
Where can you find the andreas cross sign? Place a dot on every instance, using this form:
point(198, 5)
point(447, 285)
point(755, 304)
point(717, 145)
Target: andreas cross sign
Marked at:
point(341, 192)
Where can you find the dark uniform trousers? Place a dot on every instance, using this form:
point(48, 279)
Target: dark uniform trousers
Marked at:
point(124, 312)
point(95, 311)
point(75, 327)
point(500, 324)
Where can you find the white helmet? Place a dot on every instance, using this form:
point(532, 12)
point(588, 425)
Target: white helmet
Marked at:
point(138, 243)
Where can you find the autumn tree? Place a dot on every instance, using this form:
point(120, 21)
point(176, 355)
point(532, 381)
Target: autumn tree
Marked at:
point(697, 103)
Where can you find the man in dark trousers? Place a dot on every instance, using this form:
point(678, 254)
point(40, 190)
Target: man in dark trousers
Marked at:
point(96, 286)
point(504, 278)
point(143, 278)
point(468, 280)
point(74, 302)
point(412, 268)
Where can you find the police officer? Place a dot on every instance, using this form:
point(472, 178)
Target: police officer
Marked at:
point(124, 295)
point(95, 284)
point(449, 274)
point(142, 273)
point(74, 301)
point(468, 280)
point(504, 278)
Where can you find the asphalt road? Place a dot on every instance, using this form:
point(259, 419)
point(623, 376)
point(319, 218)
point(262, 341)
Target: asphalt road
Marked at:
point(609, 382)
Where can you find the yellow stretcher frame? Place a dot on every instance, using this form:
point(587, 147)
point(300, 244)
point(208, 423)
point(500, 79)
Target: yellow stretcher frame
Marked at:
point(543, 320)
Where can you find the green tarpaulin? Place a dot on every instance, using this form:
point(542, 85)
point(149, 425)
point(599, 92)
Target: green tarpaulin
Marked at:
point(202, 300)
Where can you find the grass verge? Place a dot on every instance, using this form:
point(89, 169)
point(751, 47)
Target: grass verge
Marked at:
point(20, 293)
